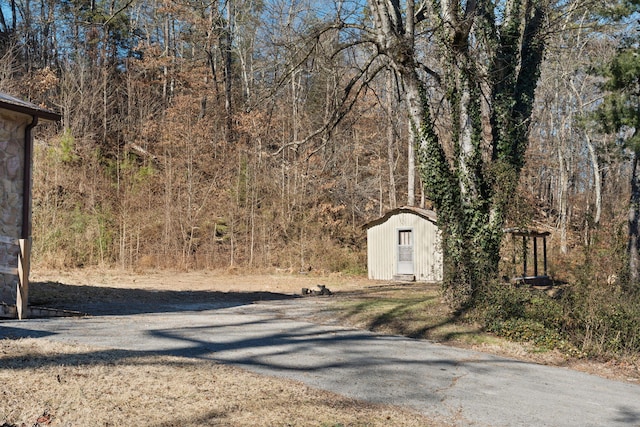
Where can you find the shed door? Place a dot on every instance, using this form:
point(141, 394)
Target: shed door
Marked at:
point(405, 251)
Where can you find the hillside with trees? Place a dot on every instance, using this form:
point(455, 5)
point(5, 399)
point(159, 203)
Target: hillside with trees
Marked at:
point(260, 134)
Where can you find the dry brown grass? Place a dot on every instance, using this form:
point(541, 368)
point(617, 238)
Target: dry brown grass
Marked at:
point(63, 385)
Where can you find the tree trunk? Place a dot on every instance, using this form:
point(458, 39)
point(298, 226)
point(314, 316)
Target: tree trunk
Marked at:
point(634, 225)
point(597, 179)
point(411, 173)
point(391, 138)
point(563, 196)
point(228, 38)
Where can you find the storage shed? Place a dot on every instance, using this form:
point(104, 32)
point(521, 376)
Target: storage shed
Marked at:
point(17, 119)
point(404, 245)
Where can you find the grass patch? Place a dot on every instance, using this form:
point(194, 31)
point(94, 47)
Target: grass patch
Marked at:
point(46, 383)
point(415, 310)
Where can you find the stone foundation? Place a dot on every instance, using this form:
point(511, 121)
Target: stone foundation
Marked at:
point(12, 129)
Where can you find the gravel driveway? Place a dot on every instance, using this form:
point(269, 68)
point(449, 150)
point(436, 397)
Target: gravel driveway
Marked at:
point(271, 334)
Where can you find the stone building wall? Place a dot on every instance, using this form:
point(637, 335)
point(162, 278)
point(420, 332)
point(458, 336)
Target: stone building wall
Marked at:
point(12, 129)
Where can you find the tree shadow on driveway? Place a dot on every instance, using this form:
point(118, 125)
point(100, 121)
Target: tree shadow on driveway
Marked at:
point(106, 301)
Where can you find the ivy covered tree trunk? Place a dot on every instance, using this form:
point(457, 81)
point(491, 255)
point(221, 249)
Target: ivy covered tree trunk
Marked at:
point(489, 60)
point(492, 69)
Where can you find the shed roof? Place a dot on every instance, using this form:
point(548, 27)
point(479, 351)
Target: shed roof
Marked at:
point(526, 232)
point(427, 214)
point(9, 102)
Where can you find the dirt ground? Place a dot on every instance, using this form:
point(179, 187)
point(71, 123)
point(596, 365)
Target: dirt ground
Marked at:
point(102, 284)
point(203, 280)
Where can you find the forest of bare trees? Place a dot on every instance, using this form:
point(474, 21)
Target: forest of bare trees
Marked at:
point(265, 133)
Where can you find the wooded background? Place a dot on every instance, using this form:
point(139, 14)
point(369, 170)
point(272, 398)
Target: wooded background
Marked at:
point(214, 134)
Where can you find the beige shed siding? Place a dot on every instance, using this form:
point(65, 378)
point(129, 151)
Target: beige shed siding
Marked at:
point(382, 248)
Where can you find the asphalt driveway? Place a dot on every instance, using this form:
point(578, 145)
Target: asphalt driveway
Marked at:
point(449, 384)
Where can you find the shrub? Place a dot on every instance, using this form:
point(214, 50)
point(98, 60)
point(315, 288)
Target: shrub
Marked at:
point(591, 317)
point(523, 314)
point(603, 319)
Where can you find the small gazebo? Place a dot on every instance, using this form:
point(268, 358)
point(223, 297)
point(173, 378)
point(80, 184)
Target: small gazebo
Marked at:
point(531, 240)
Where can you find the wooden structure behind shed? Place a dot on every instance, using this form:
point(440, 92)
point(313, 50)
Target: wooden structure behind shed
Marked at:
point(404, 245)
point(17, 119)
point(531, 241)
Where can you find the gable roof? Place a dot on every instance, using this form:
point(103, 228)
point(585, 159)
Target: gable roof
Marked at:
point(526, 232)
point(427, 214)
point(9, 102)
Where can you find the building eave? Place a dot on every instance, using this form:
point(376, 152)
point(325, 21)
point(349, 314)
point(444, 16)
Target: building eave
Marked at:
point(8, 102)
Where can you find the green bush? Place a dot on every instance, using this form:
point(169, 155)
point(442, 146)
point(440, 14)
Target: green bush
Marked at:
point(528, 330)
point(502, 302)
point(523, 314)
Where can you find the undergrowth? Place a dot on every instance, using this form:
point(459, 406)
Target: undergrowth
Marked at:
point(525, 315)
point(587, 319)
point(604, 319)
